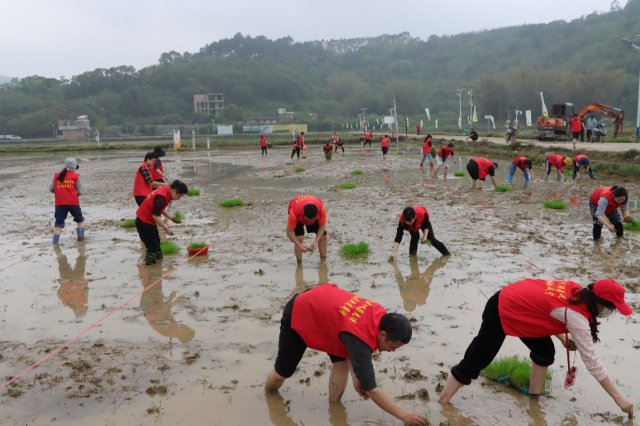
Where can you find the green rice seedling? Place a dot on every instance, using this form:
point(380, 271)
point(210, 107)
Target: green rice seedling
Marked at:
point(634, 225)
point(299, 169)
point(459, 174)
point(232, 202)
point(360, 249)
point(193, 192)
point(168, 247)
point(503, 188)
point(128, 223)
point(357, 172)
point(513, 369)
point(179, 217)
point(348, 185)
point(555, 204)
point(197, 245)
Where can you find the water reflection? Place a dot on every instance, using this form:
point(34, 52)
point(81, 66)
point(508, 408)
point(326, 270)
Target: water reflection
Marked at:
point(323, 277)
point(157, 308)
point(414, 289)
point(278, 409)
point(73, 291)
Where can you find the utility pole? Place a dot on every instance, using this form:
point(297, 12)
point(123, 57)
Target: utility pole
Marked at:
point(395, 118)
point(459, 93)
point(637, 48)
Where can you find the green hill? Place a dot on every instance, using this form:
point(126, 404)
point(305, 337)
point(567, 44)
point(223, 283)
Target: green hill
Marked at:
point(579, 61)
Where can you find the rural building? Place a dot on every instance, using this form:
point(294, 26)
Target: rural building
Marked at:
point(79, 128)
point(210, 103)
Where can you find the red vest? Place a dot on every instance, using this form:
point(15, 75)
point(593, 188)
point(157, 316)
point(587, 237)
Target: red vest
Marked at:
point(426, 146)
point(140, 186)
point(327, 148)
point(421, 212)
point(483, 166)
point(385, 142)
point(145, 211)
point(524, 307)
point(519, 162)
point(576, 124)
point(296, 205)
point(577, 158)
point(66, 192)
point(154, 170)
point(444, 152)
point(607, 193)
point(322, 313)
point(263, 141)
point(556, 160)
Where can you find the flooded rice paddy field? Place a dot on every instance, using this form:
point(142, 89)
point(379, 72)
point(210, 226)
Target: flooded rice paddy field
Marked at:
point(196, 348)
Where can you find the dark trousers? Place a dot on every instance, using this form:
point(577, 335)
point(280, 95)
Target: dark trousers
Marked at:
point(485, 346)
point(264, 150)
point(295, 151)
point(614, 218)
point(149, 236)
point(291, 347)
point(438, 245)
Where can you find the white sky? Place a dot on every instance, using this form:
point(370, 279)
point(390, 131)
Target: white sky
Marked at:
point(55, 38)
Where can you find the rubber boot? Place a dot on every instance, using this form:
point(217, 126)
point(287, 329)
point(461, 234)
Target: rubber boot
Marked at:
point(56, 239)
point(80, 232)
point(150, 259)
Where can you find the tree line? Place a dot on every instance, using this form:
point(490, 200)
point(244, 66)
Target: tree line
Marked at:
point(328, 82)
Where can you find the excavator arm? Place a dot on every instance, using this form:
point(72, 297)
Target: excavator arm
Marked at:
point(612, 112)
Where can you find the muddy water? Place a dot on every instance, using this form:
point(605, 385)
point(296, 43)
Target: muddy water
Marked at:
point(195, 348)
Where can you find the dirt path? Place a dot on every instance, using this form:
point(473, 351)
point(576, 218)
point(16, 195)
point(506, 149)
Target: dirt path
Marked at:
point(196, 347)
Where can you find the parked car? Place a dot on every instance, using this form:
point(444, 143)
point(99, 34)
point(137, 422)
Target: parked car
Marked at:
point(12, 137)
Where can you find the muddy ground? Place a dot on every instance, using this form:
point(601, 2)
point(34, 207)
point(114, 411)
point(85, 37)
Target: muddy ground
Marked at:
point(195, 348)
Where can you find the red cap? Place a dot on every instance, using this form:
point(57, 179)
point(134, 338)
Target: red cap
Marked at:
point(613, 292)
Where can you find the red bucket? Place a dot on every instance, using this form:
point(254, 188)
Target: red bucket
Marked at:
point(198, 251)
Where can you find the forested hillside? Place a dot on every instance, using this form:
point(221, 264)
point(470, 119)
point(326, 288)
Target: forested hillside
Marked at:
point(579, 61)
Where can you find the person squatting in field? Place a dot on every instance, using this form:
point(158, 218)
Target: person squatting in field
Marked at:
point(534, 310)
point(557, 161)
point(441, 158)
point(524, 164)
point(479, 168)
point(307, 211)
point(66, 188)
point(149, 218)
point(415, 219)
point(349, 329)
point(579, 162)
point(604, 203)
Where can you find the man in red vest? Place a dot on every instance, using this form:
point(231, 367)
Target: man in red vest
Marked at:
point(307, 211)
point(534, 310)
point(349, 329)
point(557, 161)
point(66, 188)
point(603, 204)
point(582, 161)
point(143, 182)
point(576, 126)
point(149, 218)
point(479, 168)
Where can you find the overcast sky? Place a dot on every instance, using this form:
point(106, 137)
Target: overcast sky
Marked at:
point(55, 38)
